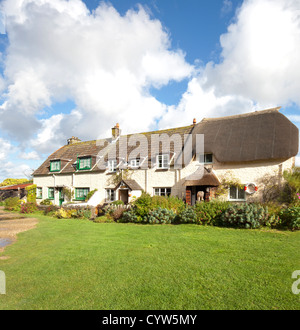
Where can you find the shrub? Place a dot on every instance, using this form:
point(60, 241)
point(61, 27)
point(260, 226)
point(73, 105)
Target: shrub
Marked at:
point(210, 213)
point(118, 213)
point(188, 215)
point(31, 193)
point(46, 202)
point(116, 203)
point(12, 204)
point(244, 216)
point(290, 218)
point(160, 216)
point(28, 207)
point(131, 216)
point(143, 205)
point(50, 210)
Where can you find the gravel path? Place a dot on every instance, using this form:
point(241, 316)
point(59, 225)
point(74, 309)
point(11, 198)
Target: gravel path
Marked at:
point(11, 224)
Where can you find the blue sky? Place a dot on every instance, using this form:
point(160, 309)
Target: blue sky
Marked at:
point(78, 67)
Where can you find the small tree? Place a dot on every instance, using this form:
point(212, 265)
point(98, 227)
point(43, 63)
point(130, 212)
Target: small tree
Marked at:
point(31, 193)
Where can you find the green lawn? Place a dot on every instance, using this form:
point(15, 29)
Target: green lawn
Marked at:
point(77, 264)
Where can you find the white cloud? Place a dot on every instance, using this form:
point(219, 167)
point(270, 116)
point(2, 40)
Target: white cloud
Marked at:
point(5, 149)
point(103, 61)
point(29, 156)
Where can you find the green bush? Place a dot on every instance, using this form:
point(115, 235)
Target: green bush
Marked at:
point(46, 202)
point(116, 203)
point(160, 216)
point(290, 218)
point(143, 205)
point(50, 210)
point(90, 194)
point(244, 216)
point(130, 216)
point(12, 204)
point(188, 215)
point(31, 193)
point(210, 213)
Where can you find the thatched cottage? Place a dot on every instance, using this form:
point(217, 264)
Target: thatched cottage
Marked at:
point(190, 162)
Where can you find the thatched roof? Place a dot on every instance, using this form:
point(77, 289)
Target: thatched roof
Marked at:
point(256, 136)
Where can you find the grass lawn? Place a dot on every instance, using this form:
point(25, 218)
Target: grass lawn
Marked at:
point(78, 264)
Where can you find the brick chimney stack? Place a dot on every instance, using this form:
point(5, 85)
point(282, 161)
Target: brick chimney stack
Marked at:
point(116, 131)
point(194, 122)
point(73, 140)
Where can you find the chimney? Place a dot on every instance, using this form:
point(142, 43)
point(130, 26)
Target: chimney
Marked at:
point(73, 140)
point(116, 131)
point(194, 122)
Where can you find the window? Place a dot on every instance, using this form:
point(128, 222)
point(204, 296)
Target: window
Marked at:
point(112, 166)
point(110, 195)
point(55, 166)
point(85, 163)
point(51, 193)
point(236, 194)
point(163, 161)
point(39, 193)
point(206, 159)
point(162, 191)
point(81, 193)
point(134, 163)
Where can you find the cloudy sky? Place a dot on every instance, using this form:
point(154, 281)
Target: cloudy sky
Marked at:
point(75, 68)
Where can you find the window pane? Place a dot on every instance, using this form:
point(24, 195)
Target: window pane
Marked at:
point(166, 161)
point(208, 158)
point(233, 192)
point(241, 193)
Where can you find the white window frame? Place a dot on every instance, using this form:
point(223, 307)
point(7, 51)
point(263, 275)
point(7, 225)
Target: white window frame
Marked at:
point(135, 163)
point(112, 166)
point(236, 199)
point(158, 191)
point(163, 161)
point(203, 159)
point(40, 194)
point(109, 194)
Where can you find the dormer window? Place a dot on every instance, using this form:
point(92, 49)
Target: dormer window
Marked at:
point(206, 159)
point(135, 163)
point(112, 166)
point(85, 163)
point(162, 161)
point(54, 165)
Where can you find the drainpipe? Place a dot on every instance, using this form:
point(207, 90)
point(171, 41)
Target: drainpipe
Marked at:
point(54, 187)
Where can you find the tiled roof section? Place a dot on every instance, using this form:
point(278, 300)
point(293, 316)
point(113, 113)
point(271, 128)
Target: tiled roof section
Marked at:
point(69, 153)
point(132, 184)
point(208, 179)
point(16, 187)
point(256, 136)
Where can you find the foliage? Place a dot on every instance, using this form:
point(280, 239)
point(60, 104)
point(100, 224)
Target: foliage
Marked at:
point(292, 186)
point(117, 203)
point(290, 218)
point(118, 213)
point(209, 213)
point(188, 215)
point(244, 216)
point(227, 180)
point(68, 193)
point(50, 210)
point(28, 208)
point(46, 202)
point(11, 182)
point(31, 193)
point(75, 213)
point(90, 194)
point(131, 216)
point(12, 204)
point(160, 216)
point(117, 177)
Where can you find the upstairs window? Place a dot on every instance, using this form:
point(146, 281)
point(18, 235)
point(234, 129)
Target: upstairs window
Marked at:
point(163, 161)
point(135, 163)
point(81, 193)
point(206, 159)
point(112, 166)
point(55, 166)
point(85, 163)
point(237, 194)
